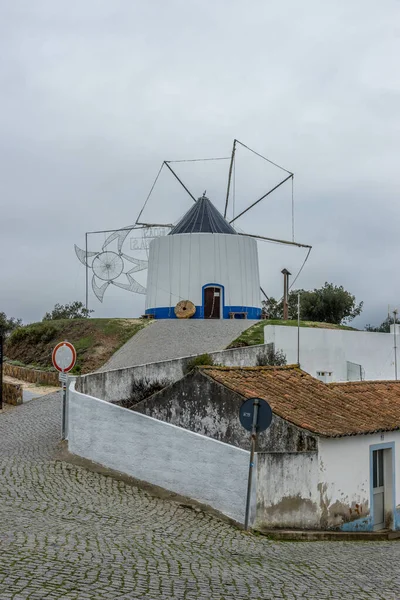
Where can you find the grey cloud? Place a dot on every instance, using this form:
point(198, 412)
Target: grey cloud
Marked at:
point(96, 94)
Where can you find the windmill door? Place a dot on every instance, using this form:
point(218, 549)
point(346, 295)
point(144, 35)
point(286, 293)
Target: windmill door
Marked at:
point(212, 303)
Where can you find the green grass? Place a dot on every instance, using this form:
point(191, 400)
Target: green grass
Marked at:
point(95, 341)
point(255, 334)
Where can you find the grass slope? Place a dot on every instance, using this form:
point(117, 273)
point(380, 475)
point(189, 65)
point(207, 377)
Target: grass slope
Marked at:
point(95, 341)
point(255, 334)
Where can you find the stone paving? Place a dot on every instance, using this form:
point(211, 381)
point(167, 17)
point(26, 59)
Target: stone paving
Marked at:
point(167, 339)
point(69, 533)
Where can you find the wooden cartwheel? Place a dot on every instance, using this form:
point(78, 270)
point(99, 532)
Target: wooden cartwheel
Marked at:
point(185, 309)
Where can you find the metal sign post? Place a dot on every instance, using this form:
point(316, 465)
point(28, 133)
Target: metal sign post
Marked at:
point(64, 359)
point(251, 464)
point(255, 415)
point(63, 380)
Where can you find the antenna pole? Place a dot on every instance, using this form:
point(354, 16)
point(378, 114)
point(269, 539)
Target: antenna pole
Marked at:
point(395, 343)
point(87, 275)
point(298, 329)
point(229, 178)
point(181, 182)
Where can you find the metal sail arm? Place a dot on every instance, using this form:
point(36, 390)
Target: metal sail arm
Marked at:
point(262, 197)
point(268, 239)
point(146, 225)
point(230, 178)
point(166, 163)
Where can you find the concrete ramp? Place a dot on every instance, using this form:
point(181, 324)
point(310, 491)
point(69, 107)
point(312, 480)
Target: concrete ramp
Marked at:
point(174, 338)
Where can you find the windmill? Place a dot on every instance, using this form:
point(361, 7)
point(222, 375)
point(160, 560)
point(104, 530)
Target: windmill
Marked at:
point(113, 266)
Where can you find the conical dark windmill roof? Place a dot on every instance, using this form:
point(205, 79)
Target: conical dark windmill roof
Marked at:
point(203, 217)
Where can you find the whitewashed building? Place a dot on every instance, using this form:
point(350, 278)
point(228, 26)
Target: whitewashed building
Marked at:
point(336, 354)
point(331, 458)
point(329, 461)
point(205, 261)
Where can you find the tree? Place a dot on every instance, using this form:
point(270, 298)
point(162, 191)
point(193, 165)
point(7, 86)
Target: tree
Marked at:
point(8, 324)
point(272, 309)
point(74, 310)
point(329, 304)
point(384, 327)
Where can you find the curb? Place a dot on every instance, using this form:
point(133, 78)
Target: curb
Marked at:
point(320, 536)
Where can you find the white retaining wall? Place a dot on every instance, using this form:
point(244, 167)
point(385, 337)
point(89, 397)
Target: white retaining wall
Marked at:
point(330, 349)
point(175, 459)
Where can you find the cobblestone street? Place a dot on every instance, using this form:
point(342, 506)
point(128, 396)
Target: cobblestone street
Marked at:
point(66, 532)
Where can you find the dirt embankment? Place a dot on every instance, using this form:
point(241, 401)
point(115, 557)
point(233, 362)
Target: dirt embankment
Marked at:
point(95, 341)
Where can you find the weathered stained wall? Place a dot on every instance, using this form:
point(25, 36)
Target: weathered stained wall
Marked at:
point(198, 403)
point(287, 494)
point(116, 385)
point(164, 455)
point(345, 492)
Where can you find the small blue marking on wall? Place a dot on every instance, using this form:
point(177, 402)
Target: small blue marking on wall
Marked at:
point(363, 524)
point(397, 518)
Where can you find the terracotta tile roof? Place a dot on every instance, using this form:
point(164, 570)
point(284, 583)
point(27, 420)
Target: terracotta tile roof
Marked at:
point(326, 409)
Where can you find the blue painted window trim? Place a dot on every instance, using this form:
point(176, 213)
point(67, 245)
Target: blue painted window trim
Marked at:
point(372, 448)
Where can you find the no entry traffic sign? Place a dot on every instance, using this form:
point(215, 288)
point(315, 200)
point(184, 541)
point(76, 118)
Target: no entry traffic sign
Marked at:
point(64, 357)
point(264, 414)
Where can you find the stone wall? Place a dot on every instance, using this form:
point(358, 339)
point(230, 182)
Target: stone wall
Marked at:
point(12, 393)
point(31, 375)
point(117, 384)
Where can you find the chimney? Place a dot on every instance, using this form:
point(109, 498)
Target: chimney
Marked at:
point(285, 274)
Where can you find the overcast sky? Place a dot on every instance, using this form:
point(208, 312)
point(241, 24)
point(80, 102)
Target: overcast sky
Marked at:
point(95, 94)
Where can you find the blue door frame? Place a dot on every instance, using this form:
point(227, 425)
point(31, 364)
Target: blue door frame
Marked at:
point(372, 448)
point(222, 304)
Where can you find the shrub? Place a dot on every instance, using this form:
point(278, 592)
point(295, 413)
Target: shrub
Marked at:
point(198, 361)
point(35, 333)
point(74, 310)
point(271, 357)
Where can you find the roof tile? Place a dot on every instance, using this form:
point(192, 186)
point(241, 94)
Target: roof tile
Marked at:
point(334, 409)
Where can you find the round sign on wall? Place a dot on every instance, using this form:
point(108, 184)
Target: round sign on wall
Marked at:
point(64, 357)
